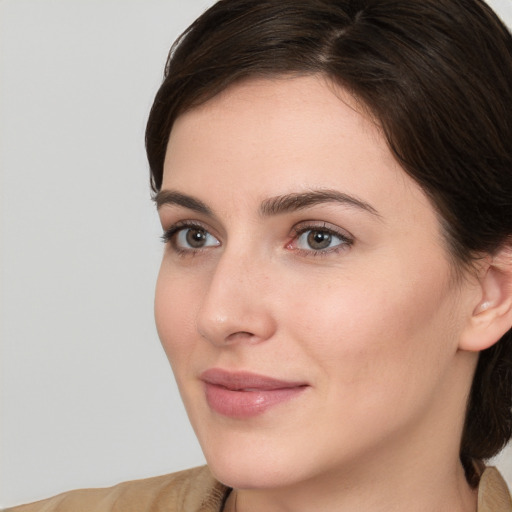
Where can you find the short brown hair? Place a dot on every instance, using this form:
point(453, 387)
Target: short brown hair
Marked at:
point(436, 74)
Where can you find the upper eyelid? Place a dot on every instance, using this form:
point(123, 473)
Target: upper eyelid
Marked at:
point(175, 227)
point(321, 225)
point(183, 224)
point(171, 215)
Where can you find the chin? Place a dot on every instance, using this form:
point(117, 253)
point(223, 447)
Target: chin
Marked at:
point(249, 474)
point(261, 459)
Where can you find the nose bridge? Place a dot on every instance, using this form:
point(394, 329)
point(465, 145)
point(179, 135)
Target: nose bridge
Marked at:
point(234, 305)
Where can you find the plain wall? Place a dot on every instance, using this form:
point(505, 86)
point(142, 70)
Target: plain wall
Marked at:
point(87, 397)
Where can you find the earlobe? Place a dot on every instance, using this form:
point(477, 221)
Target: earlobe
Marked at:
point(492, 315)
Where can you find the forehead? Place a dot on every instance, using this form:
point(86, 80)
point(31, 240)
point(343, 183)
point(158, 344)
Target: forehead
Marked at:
point(281, 98)
point(284, 117)
point(264, 137)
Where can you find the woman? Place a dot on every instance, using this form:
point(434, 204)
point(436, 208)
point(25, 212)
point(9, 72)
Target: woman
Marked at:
point(334, 184)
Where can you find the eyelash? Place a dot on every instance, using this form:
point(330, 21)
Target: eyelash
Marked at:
point(346, 240)
point(169, 237)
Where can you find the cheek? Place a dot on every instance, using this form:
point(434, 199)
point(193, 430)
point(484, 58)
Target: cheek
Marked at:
point(176, 302)
point(374, 332)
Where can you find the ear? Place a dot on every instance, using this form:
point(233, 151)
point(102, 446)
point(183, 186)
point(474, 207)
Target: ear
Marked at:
point(492, 315)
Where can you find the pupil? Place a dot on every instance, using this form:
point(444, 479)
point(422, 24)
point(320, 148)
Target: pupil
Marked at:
point(319, 239)
point(196, 238)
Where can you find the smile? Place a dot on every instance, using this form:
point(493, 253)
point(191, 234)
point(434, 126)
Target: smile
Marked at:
point(244, 395)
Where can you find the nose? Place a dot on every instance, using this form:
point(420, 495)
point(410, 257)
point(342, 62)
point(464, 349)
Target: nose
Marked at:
point(236, 306)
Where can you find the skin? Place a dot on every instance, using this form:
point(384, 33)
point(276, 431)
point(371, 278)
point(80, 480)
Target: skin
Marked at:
point(372, 325)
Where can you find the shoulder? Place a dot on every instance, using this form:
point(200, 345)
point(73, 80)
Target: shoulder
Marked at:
point(193, 490)
point(493, 493)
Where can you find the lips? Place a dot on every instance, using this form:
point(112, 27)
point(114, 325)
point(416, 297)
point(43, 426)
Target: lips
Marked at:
point(243, 394)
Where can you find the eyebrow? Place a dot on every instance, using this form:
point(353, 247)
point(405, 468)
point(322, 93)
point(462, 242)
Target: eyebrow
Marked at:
point(177, 198)
point(273, 206)
point(300, 201)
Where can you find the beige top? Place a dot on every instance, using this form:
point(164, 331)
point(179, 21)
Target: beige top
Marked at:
point(195, 490)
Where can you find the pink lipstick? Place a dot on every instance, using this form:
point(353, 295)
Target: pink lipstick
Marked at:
point(243, 394)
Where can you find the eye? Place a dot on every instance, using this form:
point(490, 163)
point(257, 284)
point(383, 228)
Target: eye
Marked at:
point(189, 238)
point(316, 240)
point(319, 239)
point(195, 238)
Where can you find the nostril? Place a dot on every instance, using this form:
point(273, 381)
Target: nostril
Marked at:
point(239, 336)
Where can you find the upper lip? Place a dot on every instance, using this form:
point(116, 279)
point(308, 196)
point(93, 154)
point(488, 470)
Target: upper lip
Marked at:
point(246, 380)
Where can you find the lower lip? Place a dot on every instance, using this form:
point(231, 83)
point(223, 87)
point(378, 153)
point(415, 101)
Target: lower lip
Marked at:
point(246, 404)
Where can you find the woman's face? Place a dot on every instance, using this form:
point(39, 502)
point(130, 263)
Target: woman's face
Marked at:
point(305, 298)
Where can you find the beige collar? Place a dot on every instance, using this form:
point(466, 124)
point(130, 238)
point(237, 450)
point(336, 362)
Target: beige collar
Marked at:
point(493, 493)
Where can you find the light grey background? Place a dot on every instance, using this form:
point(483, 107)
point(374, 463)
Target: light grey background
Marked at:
point(87, 397)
